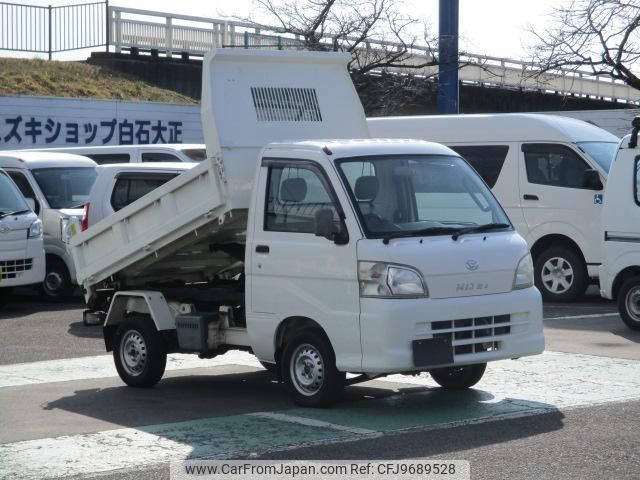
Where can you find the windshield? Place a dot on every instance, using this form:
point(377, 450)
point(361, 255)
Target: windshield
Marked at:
point(602, 152)
point(11, 199)
point(423, 194)
point(65, 187)
point(195, 154)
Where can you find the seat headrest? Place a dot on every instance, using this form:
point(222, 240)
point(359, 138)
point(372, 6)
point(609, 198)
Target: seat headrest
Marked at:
point(293, 190)
point(367, 188)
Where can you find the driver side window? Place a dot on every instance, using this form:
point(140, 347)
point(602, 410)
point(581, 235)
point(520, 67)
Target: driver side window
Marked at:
point(554, 165)
point(294, 195)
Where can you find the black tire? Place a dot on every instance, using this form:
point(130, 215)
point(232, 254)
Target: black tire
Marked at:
point(325, 383)
point(459, 377)
point(629, 302)
point(144, 363)
point(57, 285)
point(5, 294)
point(560, 274)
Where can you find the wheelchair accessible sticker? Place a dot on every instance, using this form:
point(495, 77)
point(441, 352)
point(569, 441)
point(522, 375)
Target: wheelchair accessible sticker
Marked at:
point(598, 199)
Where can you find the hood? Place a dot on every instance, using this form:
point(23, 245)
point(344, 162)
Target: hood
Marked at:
point(71, 212)
point(13, 232)
point(477, 264)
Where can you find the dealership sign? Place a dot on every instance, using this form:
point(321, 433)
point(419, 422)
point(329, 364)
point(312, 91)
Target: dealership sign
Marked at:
point(37, 122)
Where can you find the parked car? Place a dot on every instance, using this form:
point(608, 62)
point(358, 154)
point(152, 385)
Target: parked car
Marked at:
point(163, 152)
point(58, 184)
point(547, 172)
point(120, 184)
point(21, 246)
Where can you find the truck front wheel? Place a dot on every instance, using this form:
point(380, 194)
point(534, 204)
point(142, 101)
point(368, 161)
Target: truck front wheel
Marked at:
point(629, 302)
point(309, 370)
point(459, 377)
point(139, 352)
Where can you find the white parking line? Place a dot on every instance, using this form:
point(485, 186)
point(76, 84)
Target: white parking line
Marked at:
point(310, 422)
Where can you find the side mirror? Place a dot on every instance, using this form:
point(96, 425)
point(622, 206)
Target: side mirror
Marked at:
point(591, 180)
point(33, 205)
point(324, 226)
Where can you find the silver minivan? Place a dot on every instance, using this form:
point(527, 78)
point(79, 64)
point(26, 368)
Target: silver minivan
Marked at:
point(57, 186)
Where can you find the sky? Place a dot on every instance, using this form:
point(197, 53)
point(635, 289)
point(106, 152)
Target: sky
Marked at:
point(487, 27)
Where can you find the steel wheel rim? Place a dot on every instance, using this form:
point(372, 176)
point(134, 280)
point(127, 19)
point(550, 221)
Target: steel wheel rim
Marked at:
point(133, 353)
point(557, 275)
point(632, 302)
point(53, 281)
point(307, 370)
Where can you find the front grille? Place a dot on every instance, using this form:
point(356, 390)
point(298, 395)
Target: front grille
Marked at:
point(473, 335)
point(12, 268)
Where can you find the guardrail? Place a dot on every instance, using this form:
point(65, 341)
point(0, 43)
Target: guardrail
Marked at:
point(182, 34)
point(30, 28)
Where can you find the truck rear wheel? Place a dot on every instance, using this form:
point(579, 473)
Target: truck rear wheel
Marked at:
point(459, 377)
point(629, 302)
point(139, 352)
point(560, 274)
point(309, 370)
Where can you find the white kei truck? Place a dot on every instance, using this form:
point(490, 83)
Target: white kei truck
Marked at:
point(620, 270)
point(316, 248)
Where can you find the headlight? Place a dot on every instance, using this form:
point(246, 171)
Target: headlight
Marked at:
point(524, 273)
point(35, 230)
point(384, 280)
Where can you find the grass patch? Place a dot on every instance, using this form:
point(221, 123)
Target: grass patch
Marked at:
point(79, 80)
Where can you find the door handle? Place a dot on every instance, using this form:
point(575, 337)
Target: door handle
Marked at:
point(262, 248)
point(530, 197)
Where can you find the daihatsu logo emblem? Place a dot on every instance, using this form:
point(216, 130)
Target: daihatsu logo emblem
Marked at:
point(472, 265)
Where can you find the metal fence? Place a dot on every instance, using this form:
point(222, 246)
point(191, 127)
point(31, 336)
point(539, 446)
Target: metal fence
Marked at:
point(50, 29)
point(30, 28)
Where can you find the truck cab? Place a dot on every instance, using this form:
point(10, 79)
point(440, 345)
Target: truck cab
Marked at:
point(318, 249)
point(620, 270)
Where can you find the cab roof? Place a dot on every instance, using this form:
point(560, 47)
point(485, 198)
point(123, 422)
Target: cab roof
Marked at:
point(500, 127)
point(32, 160)
point(366, 147)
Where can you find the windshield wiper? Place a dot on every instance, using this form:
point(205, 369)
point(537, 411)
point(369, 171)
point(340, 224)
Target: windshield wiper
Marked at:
point(419, 233)
point(478, 228)
point(17, 212)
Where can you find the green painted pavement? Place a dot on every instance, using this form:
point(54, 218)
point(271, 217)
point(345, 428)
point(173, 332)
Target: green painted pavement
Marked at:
point(509, 389)
point(129, 448)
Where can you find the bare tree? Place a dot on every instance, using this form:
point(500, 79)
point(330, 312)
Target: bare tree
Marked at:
point(598, 35)
point(376, 34)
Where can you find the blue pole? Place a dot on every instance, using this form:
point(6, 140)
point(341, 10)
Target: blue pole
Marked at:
point(448, 57)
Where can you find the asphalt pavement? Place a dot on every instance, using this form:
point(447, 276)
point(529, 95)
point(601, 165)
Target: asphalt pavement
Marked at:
point(569, 413)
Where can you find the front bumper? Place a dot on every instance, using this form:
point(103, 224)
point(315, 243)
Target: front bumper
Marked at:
point(472, 325)
point(25, 267)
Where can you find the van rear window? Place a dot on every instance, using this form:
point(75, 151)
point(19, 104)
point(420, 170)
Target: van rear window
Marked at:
point(486, 159)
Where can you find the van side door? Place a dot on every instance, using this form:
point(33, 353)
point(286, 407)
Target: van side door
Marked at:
point(295, 273)
point(557, 196)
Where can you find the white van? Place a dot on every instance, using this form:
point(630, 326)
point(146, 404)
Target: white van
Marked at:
point(620, 270)
point(161, 152)
point(58, 184)
point(319, 256)
point(548, 173)
point(21, 251)
point(119, 184)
